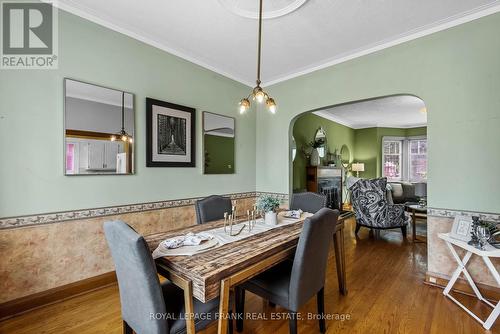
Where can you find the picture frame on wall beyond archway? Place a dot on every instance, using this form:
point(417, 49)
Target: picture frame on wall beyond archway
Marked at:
point(170, 134)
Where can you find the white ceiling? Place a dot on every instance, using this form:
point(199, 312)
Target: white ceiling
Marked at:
point(402, 111)
point(315, 34)
point(85, 91)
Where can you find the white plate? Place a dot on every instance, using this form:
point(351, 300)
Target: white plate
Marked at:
point(184, 250)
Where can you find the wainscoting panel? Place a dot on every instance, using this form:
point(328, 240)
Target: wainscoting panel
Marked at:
point(40, 256)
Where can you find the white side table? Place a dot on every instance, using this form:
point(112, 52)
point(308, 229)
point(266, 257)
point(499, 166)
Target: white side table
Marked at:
point(486, 254)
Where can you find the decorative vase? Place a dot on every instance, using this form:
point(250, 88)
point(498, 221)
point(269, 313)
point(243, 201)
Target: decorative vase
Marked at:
point(314, 161)
point(271, 218)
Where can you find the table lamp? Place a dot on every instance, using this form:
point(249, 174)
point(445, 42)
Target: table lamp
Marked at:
point(421, 193)
point(358, 167)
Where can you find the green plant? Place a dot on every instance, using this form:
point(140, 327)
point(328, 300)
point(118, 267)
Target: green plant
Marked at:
point(267, 203)
point(317, 143)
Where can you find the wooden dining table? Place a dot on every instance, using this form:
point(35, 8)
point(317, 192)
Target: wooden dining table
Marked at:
point(212, 273)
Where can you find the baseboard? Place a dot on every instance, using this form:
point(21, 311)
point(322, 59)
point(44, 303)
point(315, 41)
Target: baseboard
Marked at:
point(27, 303)
point(462, 286)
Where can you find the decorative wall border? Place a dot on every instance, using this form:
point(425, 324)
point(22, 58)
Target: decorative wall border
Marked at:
point(57, 217)
point(448, 213)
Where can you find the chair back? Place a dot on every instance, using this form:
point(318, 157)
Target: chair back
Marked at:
point(370, 202)
point(140, 290)
point(309, 264)
point(307, 202)
point(212, 208)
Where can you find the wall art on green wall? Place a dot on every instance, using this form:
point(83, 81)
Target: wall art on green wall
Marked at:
point(170, 132)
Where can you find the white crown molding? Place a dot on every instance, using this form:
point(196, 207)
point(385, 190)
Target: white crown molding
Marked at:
point(441, 25)
point(90, 15)
point(444, 24)
point(342, 121)
point(333, 118)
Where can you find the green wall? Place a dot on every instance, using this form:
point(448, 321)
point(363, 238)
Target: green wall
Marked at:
point(31, 124)
point(457, 74)
point(219, 152)
point(304, 130)
point(368, 146)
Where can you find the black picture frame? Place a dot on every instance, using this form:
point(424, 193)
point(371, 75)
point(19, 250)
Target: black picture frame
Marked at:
point(150, 146)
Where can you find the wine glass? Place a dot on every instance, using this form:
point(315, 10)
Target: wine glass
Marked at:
point(483, 234)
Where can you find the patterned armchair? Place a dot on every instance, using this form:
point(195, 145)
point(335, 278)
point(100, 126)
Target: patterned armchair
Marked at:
point(371, 208)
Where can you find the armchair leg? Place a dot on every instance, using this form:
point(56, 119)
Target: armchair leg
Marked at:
point(403, 230)
point(127, 329)
point(240, 308)
point(292, 322)
point(321, 310)
point(357, 229)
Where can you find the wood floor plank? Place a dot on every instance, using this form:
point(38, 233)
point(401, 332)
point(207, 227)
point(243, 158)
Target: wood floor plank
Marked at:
point(386, 295)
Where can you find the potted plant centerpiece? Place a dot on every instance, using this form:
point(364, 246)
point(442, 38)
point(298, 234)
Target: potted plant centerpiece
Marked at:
point(269, 204)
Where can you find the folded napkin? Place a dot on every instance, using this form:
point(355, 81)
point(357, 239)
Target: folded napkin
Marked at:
point(189, 239)
point(296, 214)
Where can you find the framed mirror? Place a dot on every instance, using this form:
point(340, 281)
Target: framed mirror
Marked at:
point(98, 130)
point(345, 156)
point(321, 136)
point(218, 143)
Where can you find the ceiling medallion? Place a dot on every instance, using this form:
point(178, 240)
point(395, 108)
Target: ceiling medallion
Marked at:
point(250, 9)
point(258, 93)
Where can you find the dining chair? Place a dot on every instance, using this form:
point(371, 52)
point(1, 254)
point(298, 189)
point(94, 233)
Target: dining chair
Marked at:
point(292, 283)
point(307, 202)
point(212, 208)
point(147, 305)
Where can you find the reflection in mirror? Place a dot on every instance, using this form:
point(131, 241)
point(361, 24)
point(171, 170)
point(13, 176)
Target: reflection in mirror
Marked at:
point(294, 149)
point(321, 136)
point(218, 143)
point(345, 156)
point(99, 129)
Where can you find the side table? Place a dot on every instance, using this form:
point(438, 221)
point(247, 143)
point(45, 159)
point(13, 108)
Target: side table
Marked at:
point(415, 209)
point(486, 254)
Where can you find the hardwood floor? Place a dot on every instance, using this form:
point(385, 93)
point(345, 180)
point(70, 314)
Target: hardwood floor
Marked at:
point(386, 295)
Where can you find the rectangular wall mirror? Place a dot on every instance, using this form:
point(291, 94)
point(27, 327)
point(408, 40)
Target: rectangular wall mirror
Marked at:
point(98, 130)
point(218, 143)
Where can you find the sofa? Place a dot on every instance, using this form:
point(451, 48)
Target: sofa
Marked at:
point(401, 193)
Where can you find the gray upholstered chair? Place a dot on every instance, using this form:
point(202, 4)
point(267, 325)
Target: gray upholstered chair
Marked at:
point(212, 208)
point(307, 202)
point(293, 282)
point(369, 199)
point(147, 305)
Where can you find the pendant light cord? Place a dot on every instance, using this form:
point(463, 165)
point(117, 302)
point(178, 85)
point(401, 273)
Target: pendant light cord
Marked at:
point(260, 43)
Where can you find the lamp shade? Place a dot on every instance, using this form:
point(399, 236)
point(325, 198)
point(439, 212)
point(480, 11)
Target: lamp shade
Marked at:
point(421, 189)
point(358, 167)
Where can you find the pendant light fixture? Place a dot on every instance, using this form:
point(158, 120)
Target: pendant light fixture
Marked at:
point(258, 93)
point(122, 135)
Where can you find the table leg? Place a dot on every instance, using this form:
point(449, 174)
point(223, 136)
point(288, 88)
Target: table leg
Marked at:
point(224, 305)
point(414, 225)
point(189, 308)
point(338, 242)
point(496, 310)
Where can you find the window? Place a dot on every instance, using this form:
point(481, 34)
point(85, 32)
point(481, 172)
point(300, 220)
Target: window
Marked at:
point(404, 158)
point(418, 160)
point(392, 159)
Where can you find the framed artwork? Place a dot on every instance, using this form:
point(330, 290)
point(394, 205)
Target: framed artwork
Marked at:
point(462, 228)
point(170, 134)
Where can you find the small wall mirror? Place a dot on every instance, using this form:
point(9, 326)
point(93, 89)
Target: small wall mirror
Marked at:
point(345, 155)
point(294, 149)
point(98, 130)
point(218, 143)
point(321, 136)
